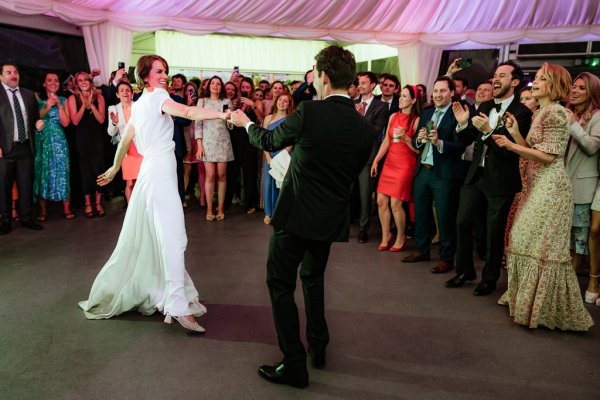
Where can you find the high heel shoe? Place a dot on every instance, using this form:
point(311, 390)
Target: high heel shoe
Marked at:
point(388, 245)
point(398, 249)
point(193, 327)
point(100, 210)
point(590, 297)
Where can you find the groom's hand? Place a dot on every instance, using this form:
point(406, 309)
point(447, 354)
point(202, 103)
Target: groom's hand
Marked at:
point(238, 118)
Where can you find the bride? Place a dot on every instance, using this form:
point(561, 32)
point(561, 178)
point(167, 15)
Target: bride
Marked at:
point(146, 270)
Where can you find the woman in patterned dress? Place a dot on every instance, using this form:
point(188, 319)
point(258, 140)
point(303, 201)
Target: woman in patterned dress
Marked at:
point(51, 168)
point(542, 286)
point(214, 147)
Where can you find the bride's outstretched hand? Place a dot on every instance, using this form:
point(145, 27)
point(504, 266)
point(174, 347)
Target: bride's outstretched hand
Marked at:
point(511, 124)
point(107, 177)
point(238, 118)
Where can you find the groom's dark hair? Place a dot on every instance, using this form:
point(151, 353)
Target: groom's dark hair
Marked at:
point(339, 64)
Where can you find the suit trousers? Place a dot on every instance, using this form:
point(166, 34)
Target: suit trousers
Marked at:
point(444, 192)
point(16, 165)
point(286, 253)
point(365, 189)
point(475, 200)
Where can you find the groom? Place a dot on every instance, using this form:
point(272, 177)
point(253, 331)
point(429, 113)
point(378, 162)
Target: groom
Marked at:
point(332, 143)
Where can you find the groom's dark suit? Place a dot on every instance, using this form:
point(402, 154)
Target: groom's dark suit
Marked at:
point(16, 163)
point(492, 185)
point(332, 143)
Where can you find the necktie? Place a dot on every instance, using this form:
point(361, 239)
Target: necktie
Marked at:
point(21, 136)
point(364, 108)
point(436, 120)
point(498, 106)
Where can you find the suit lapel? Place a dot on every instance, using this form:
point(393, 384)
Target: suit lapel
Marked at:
point(6, 113)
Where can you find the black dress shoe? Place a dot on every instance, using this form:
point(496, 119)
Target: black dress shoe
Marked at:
point(31, 225)
point(484, 288)
point(363, 237)
point(4, 228)
point(459, 280)
point(317, 359)
point(280, 373)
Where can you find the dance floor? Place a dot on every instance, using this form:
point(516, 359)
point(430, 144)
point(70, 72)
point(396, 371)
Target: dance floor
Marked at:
point(396, 332)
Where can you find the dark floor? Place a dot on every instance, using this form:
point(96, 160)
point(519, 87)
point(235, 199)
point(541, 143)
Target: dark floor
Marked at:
point(397, 333)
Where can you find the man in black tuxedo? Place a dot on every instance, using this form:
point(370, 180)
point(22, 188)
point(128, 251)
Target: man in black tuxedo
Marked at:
point(492, 179)
point(437, 177)
point(19, 119)
point(388, 95)
point(376, 114)
point(332, 143)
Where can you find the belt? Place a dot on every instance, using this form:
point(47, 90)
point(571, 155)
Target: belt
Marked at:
point(20, 143)
point(427, 166)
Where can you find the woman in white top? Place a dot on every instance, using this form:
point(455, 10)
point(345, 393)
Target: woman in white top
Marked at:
point(146, 270)
point(119, 117)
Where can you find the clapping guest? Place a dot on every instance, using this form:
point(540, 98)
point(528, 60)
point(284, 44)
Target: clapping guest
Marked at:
point(86, 109)
point(582, 167)
point(51, 165)
point(190, 96)
point(214, 147)
point(395, 182)
point(284, 106)
point(542, 286)
point(119, 117)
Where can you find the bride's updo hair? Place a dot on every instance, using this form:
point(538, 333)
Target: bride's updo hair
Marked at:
point(144, 66)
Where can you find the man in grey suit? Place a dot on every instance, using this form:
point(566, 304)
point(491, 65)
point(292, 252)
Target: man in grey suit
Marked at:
point(376, 113)
point(332, 143)
point(19, 119)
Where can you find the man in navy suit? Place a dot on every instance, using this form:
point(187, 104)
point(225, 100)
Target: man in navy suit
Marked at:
point(437, 177)
point(19, 119)
point(389, 87)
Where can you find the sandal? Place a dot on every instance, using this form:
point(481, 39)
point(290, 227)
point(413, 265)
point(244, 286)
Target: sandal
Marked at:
point(210, 217)
point(41, 218)
point(251, 210)
point(220, 217)
point(267, 220)
point(69, 214)
point(100, 210)
point(89, 213)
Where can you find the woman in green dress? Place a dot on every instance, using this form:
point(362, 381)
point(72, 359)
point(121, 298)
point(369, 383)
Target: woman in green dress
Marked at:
point(52, 153)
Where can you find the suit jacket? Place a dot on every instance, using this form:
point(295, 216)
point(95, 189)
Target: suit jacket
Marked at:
point(501, 167)
point(395, 106)
point(582, 159)
point(7, 119)
point(178, 135)
point(377, 115)
point(332, 143)
point(446, 164)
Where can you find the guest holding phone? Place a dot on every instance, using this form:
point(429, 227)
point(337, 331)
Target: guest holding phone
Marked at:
point(214, 147)
point(51, 164)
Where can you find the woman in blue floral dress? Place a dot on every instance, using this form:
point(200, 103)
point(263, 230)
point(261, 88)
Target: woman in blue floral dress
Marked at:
point(52, 153)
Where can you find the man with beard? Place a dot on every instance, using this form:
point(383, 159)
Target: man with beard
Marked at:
point(492, 179)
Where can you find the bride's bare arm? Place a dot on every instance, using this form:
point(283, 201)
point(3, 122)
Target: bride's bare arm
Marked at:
point(110, 173)
point(175, 109)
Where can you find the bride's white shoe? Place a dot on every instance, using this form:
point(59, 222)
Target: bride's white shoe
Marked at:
point(187, 325)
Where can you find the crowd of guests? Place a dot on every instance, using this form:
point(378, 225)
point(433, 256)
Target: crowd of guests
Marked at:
point(506, 169)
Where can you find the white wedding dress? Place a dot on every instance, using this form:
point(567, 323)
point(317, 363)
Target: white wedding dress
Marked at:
point(146, 270)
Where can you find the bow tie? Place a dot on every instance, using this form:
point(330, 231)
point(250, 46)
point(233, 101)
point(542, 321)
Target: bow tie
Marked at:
point(498, 106)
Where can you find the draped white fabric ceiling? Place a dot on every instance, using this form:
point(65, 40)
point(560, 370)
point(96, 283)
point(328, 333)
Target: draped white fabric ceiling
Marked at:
point(419, 28)
point(392, 22)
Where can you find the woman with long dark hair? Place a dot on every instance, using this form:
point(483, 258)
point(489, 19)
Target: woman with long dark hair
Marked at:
point(51, 164)
point(395, 182)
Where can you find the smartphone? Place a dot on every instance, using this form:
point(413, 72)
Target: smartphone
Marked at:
point(225, 107)
point(236, 69)
point(464, 63)
point(246, 95)
point(121, 65)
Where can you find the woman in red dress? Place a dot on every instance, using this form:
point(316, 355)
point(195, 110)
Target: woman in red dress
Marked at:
point(395, 182)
